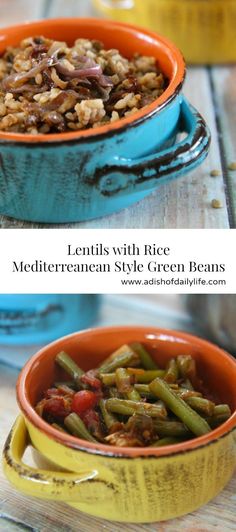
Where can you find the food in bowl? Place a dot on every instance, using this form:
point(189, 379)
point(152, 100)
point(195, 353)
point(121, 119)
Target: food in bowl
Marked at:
point(136, 483)
point(47, 86)
point(129, 401)
point(97, 171)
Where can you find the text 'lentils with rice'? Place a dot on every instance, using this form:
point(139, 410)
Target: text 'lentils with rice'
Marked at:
point(48, 87)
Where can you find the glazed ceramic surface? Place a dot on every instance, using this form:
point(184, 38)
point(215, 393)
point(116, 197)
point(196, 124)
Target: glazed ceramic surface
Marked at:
point(123, 484)
point(82, 175)
point(41, 318)
point(194, 26)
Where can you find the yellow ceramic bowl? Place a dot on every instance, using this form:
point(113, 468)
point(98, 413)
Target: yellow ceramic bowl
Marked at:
point(204, 30)
point(122, 484)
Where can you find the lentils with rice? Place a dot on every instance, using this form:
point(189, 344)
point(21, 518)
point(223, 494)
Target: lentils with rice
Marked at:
point(48, 87)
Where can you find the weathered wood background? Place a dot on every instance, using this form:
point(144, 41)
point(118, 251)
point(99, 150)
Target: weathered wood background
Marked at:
point(185, 203)
point(18, 512)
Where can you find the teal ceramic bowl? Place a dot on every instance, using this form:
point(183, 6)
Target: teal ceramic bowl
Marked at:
point(79, 175)
point(31, 319)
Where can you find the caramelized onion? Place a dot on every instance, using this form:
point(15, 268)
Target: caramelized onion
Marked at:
point(105, 81)
point(94, 71)
point(34, 89)
point(38, 49)
point(89, 70)
point(55, 49)
point(15, 80)
point(86, 69)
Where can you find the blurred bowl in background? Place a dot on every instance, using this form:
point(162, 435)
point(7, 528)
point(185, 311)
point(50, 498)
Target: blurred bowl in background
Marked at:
point(203, 29)
point(216, 316)
point(41, 318)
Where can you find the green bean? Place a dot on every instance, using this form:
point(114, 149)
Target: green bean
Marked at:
point(147, 376)
point(70, 366)
point(140, 425)
point(123, 357)
point(122, 380)
point(187, 384)
point(76, 426)
point(184, 393)
point(145, 357)
point(120, 351)
point(143, 390)
point(133, 395)
point(109, 419)
point(201, 405)
point(141, 376)
point(124, 386)
point(171, 429)
point(190, 418)
point(172, 372)
point(220, 415)
point(215, 421)
point(187, 367)
point(108, 379)
point(222, 410)
point(128, 408)
point(113, 392)
point(165, 441)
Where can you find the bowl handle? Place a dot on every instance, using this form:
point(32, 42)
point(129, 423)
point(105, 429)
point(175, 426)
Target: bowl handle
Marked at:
point(144, 173)
point(54, 485)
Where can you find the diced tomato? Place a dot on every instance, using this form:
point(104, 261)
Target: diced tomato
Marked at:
point(99, 395)
point(51, 392)
point(58, 407)
point(92, 421)
point(65, 390)
point(60, 391)
point(90, 379)
point(82, 401)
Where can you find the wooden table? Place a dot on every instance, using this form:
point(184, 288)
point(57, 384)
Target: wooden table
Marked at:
point(185, 203)
point(18, 512)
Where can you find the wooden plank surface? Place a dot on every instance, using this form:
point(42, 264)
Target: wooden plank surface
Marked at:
point(18, 512)
point(68, 8)
point(224, 91)
point(14, 11)
point(185, 203)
